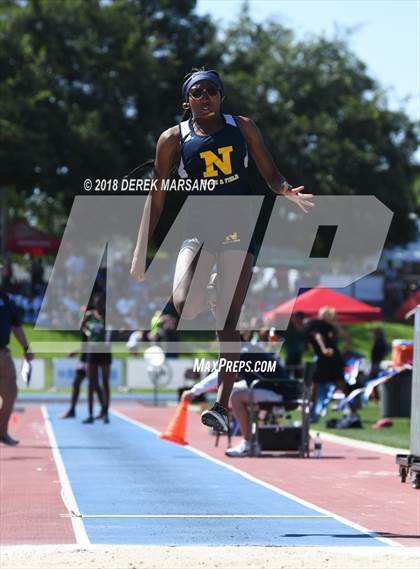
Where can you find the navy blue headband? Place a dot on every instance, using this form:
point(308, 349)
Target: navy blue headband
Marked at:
point(202, 76)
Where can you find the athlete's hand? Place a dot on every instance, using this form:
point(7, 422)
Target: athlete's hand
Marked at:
point(187, 395)
point(295, 195)
point(28, 355)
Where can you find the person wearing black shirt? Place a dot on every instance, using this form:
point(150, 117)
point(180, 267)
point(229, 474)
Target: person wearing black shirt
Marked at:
point(294, 344)
point(323, 334)
point(379, 351)
point(9, 322)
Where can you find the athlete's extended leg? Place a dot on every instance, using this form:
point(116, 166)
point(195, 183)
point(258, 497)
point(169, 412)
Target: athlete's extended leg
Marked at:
point(231, 264)
point(232, 292)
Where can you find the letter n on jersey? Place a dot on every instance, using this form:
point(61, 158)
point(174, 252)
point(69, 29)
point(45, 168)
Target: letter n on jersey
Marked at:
point(212, 160)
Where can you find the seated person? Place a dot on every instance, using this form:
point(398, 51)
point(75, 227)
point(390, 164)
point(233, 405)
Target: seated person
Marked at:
point(240, 397)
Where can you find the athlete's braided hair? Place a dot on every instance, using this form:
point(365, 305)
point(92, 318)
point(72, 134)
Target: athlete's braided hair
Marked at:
point(144, 170)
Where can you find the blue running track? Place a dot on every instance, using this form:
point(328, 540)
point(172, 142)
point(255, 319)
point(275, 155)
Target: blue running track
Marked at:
point(123, 469)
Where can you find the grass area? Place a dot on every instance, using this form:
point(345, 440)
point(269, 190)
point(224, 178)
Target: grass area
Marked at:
point(362, 334)
point(398, 435)
point(43, 336)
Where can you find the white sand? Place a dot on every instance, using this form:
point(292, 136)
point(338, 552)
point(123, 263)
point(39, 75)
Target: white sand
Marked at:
point(151, 557)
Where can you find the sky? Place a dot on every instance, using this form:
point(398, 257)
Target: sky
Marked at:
point(386, 36)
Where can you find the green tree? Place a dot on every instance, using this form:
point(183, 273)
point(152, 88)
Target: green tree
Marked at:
point(88, 85)
point(325, 119)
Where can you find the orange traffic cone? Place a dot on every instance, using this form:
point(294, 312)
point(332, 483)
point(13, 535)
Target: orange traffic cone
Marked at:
point(175, 431)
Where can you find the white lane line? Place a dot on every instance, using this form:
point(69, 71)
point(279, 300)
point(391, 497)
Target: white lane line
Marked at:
point(189, 516)
point(344, 521)
point(66, 490)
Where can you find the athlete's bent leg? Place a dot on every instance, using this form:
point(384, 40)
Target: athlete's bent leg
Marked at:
point(79, 376)
point(189, 288)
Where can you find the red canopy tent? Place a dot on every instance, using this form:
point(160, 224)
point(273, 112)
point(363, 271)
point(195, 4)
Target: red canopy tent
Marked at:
point(348, 309)
point(23, 238)
point(411, 302)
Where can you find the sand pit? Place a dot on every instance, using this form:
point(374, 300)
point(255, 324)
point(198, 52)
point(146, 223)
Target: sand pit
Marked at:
point(147, 557)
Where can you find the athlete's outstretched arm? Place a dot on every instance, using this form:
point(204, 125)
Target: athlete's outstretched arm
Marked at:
point(167, 150)
point(266, 165)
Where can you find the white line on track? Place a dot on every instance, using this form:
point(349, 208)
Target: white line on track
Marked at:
point(344, 521)
point(66, 490)
point(189, 516)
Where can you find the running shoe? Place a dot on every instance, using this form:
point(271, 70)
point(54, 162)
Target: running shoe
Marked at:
point(103, 416)
point(68, 415)
point(242, 449)
point(217, 418)
point(8, 440)
point(88, 421)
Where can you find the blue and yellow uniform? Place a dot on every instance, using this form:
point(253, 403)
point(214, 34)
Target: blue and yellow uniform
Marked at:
point(222, 158)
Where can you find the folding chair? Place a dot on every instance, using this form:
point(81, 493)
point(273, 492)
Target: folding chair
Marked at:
point(276, 436)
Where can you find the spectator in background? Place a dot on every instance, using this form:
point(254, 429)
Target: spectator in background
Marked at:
point(155, 326)
point(393, 289)
point(7, 272)
point(125, 305)
point(97, 337)
point(323, 334)
point(9, 322)
point(163, 329)
point(295, 341)
point(380, 349)
point(37, 275)
point(79, 376)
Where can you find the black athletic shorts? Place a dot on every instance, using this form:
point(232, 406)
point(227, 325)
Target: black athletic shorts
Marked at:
point(99, 359)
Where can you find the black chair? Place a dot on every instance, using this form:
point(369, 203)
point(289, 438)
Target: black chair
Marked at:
point(273, 434)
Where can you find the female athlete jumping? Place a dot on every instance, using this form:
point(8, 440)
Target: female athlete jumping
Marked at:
point(211, 145)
